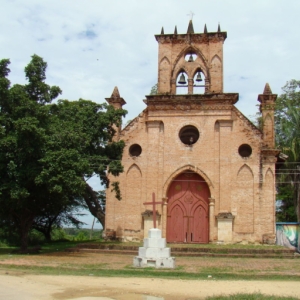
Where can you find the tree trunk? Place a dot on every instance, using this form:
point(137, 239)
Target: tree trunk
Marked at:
point(91, 200)
point(24, 240)
point(47, 235)
point(25, 225)
point(91, 232)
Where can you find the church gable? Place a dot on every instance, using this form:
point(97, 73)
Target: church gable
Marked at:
point(211, 169)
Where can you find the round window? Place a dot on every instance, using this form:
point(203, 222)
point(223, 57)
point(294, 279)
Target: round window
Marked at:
point(135, 150)
point(245, 150)
point(189, 135)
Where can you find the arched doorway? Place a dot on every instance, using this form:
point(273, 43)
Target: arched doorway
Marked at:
point(188, 209)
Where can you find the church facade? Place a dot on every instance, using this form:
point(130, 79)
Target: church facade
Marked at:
point(212, 171)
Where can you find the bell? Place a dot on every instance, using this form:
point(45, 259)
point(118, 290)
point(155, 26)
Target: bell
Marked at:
point(182, 79)
point(198, 78)
point(191, 59)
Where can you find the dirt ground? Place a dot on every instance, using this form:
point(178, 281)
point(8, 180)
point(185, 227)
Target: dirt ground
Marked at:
point(44, 287)
point(18, 284)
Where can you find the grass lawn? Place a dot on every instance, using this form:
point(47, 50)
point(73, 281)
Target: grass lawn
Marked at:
point(53, 260)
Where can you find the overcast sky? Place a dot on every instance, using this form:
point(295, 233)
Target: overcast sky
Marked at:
point(91, 46)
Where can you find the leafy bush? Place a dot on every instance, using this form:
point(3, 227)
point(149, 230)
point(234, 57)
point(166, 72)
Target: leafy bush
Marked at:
point(59, 234)
point(81, 236)
point(35, 238)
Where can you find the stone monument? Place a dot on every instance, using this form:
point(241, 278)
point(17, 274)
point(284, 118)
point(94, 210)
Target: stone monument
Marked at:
point(154, 253)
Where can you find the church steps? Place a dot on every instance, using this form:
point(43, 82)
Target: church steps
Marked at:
point(190, 252)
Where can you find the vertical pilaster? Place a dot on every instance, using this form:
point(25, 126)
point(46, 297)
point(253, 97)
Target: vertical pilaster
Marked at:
point(225, 164)
point(207, 86)
point(153, 161)
point(268, 197)
point(190, 85)
point(173, 86)
point(211, 219)
point(164, 217)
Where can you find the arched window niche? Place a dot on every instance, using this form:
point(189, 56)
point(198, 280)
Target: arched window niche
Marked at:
point(182, 83)
point(199, 82)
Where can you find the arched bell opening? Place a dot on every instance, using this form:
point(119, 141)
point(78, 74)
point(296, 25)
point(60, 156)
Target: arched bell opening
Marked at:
point(190, 57)
point(182, 83)
point(199, 82)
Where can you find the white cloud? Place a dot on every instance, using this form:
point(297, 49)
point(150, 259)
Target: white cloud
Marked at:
point(92, 46)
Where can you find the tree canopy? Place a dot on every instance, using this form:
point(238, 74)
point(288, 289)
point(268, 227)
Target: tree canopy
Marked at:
point(48, 150)
point(287, 127)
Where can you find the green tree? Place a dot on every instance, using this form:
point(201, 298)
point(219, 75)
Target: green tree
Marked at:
point(287, 127)
point(81, 146)
point(24, 125)
point(57, 217)
point(48, 150)
point(154, 89)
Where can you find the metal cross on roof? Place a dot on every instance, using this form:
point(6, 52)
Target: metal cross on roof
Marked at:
point(154, 208)
point(191, 14)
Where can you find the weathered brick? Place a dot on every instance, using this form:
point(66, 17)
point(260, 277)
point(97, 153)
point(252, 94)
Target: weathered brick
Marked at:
point(242, 189)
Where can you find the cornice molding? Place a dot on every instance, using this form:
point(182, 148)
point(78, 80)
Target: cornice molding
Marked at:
point(202, 38)
point(191, 102)
point(270, 152)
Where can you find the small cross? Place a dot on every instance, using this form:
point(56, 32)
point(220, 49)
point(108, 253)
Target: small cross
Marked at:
point(191, 14)
point(154, 208)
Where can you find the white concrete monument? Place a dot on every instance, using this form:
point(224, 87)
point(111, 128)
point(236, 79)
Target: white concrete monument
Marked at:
point(154, 253)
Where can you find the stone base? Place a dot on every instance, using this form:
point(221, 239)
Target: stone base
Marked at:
point(269, 239)
point(142, 262)
point(154, 253)
point(225, 221)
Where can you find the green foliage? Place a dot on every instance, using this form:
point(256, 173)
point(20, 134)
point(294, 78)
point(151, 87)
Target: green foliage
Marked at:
point(287, 128)
point(59, 234)
point(47, 150)
point(286, 213)
point(81, 236)
point(154, 89)
point(23, 121)
point(35, 238)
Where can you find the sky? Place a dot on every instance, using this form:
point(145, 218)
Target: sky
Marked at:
point(92, 46)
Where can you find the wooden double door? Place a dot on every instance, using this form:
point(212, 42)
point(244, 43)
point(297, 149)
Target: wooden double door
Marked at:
point(188, 209)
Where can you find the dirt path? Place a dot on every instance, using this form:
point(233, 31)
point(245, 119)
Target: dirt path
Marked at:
point(43, 287)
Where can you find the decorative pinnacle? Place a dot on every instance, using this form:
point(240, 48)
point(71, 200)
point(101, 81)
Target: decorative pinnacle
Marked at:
point(115, 93)
point(175, 30)
point(190, 27)
point(219, 28)
point(205, 29)
point(267, 90)
point(162, 31)
point(115, 100)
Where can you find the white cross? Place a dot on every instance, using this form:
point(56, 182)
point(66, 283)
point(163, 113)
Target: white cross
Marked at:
point(191, 14)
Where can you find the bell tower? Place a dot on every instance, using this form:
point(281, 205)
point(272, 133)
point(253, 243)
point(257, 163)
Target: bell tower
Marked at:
point(192, 62)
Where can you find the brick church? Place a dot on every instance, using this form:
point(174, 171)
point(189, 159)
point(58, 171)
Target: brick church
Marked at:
point(211, 169)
